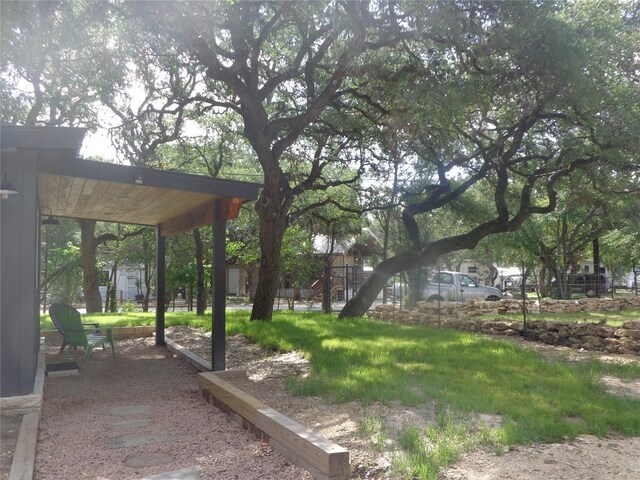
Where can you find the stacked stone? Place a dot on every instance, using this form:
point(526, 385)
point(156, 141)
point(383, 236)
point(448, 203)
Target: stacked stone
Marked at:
point(629, 336)
point(590, 304)
point(476, 307)
point(586, 336)
point(423, 313)
point(505, 306)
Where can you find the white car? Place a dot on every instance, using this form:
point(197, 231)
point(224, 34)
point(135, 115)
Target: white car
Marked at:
point(458, 287)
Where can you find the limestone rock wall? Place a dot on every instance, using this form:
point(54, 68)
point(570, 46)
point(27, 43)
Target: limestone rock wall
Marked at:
point(582, 335)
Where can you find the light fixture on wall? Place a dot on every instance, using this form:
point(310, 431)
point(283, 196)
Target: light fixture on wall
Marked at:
point(6, 188)
point(49, 220)
point(138, 180)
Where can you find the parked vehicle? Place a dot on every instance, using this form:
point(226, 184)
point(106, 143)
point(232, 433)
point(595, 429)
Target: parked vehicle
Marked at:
point(457, 287)
point(514, 284)
point(588, 284)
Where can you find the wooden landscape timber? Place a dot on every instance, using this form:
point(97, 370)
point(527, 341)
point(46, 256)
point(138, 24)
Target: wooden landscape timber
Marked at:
point(24, 455)
point(322, 458)
point(29, 406)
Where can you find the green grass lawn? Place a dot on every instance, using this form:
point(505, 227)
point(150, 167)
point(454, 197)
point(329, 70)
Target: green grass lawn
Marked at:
point(459, 373)
point(134, 319)
point(370, 361)
point(137, 319)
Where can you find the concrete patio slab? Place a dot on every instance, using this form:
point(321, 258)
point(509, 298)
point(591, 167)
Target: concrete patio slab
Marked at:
point(134, 423)
point(125, 441)
point(130, 410)
point(62, 369)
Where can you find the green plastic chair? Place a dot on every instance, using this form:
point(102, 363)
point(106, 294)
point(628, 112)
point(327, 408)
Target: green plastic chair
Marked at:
point(68, 322)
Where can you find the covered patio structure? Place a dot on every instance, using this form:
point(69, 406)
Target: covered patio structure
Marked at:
point(41, 164)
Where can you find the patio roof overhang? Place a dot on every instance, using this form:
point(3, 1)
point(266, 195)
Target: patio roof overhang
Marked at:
point(84, 189)
point(107, 192)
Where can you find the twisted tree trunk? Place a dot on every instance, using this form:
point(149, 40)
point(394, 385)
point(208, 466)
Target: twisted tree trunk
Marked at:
point(272, 214)
point(90, 275)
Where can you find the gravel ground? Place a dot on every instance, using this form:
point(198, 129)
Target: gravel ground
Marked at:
point(76, 425)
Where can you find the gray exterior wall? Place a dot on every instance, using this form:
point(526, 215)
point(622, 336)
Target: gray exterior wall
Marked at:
point(19, 239)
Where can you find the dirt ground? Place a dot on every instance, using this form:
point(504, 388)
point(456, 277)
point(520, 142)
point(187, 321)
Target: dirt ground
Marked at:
point(586, 457)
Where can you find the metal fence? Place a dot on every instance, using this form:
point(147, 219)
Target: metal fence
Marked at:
point(341, 283)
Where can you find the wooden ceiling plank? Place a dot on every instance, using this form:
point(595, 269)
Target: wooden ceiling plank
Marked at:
point(65, 191)
point(171, 203)
point(152, 204)
point(53, 187)
point(84, 199)
point(96, 199)
point(43, 191)
point(76, 191)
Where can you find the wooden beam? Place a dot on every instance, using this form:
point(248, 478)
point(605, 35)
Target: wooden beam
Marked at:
point(24, 456)
point(198, 217)
point(205, 214)
point(322, 458)
point(240, 402)
point(229, 208)
point(20, 404)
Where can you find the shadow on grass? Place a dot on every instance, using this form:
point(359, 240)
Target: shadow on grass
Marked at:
point(538, 399)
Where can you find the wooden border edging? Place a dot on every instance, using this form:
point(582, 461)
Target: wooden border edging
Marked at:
point(197, 361)
point(24, 455)
point(322, 458)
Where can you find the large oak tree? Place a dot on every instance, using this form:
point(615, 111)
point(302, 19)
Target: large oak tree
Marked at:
point(282, 67)
point(513, 100)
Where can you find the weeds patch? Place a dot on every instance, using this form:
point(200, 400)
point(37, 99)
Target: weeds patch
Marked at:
point(424, 454)
point(374, 428)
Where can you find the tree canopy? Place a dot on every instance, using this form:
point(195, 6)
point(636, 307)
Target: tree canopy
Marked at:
point(515, 99)
point(459, 119)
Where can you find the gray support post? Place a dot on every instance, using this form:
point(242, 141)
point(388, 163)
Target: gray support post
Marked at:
point(218, 318)
point(160, 286)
